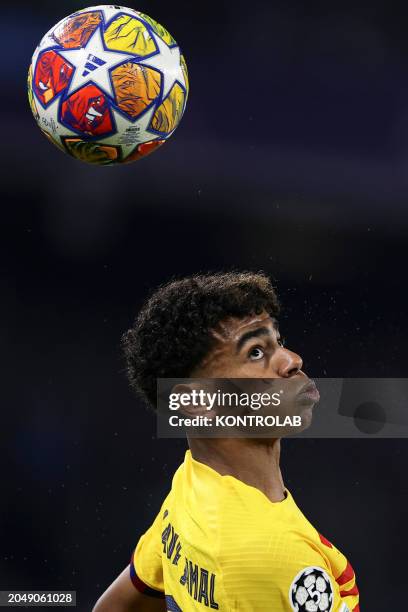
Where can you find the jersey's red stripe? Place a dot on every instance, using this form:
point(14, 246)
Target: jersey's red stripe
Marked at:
point(356, 609)
point(325, 541)
point(353, 591)
point(346, 576)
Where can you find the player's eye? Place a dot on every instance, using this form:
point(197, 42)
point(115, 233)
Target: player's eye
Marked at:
point(281, 341)
point(256, 353)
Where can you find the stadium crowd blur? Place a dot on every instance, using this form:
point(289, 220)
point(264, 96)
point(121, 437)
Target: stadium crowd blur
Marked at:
point(292, 158)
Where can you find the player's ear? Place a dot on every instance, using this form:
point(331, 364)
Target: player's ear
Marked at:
point(192, 399)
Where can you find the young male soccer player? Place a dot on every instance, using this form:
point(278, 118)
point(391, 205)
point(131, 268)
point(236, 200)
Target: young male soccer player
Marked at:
point(228, 536)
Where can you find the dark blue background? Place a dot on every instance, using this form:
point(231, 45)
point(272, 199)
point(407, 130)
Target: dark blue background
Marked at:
point(292, 157)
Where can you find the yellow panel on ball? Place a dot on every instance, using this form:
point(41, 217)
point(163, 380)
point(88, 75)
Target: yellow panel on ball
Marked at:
point(136, 87)
point(159, 29)
point(91, 152)
point(131, 35)
point(185, 72)
point(169, 113)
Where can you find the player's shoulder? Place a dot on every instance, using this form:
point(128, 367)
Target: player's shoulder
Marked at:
point(274, 530)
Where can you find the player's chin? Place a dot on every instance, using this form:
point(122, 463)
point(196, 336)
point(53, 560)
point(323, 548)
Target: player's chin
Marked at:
point(306, 415)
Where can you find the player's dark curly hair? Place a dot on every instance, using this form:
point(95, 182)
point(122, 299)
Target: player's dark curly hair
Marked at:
point(171, 334)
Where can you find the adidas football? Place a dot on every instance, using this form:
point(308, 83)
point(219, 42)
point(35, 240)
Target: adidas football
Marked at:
point(108, 85)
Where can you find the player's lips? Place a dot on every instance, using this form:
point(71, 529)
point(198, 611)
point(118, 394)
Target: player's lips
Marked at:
point(309, 393)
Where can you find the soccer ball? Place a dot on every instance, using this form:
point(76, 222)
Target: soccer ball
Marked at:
point(311, 591)
point(108, 85)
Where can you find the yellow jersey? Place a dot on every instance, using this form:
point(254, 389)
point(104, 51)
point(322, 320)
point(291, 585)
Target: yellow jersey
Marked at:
point(220, 544)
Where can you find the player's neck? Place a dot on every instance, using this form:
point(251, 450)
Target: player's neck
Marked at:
point(254, 462)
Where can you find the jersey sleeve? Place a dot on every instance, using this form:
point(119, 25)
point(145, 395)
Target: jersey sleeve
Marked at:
point(287, 574)
point(146, 571)
point(343, 574)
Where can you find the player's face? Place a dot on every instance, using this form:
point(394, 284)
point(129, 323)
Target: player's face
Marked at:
point(250, 348)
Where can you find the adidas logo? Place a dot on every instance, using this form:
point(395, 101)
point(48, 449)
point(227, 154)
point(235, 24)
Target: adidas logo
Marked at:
point(92, 64)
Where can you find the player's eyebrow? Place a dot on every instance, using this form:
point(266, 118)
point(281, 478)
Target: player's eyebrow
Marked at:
point(255, 333)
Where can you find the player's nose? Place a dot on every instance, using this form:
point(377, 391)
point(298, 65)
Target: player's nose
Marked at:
point(288, 363)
